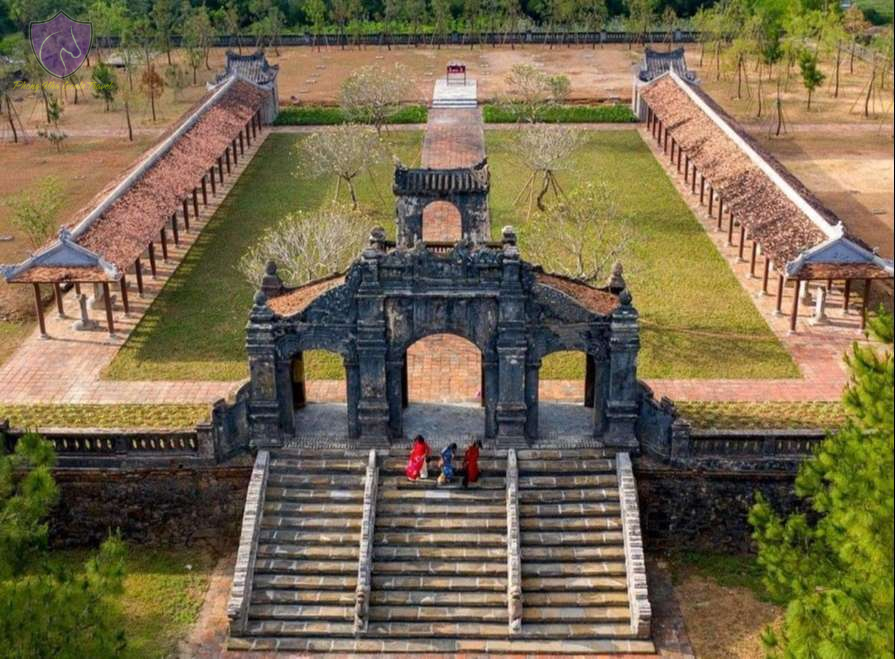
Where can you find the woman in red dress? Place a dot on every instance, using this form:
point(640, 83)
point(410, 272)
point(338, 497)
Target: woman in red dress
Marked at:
point(416, 464)
point(471, 463)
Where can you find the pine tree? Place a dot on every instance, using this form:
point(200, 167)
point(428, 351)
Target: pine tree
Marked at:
point(833, 566)
point(50, 610)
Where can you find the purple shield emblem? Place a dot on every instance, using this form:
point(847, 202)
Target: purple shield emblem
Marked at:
point(61, 44)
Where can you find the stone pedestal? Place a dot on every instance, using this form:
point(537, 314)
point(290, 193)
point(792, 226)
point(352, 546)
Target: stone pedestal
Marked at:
point(84, 322)
point(820, 314)
point(97, 300)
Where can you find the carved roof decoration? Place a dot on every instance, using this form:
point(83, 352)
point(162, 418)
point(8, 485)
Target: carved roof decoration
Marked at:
point(254, 68)
point(655, 63)
point(442, 181)
point(118, 224)
point(790, 224)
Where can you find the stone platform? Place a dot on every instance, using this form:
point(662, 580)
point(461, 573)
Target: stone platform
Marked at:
point(454, 95)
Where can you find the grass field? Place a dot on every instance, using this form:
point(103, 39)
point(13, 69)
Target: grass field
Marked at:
point(104, 416)
point(691, 303)
point(163, 592)
point(881, 10)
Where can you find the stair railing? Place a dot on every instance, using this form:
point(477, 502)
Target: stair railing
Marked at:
point(243, 574)
point(635, 564)
point(365, 554)
point(514, 562)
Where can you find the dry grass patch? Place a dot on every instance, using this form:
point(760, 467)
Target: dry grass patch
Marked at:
point(104, 416)
point(772, 415)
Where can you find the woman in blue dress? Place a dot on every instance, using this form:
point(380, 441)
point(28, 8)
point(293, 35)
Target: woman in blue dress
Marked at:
point(447, 464)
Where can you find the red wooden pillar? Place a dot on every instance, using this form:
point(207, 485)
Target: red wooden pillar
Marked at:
point(204, 192)
point(252, 122)
point(57, 294)
point(711, 201)
point(214, 187)
point(221, 169)
point(186, 210)
point(846, 292)
point(233, 149)
point(242, 146)
point(720, 214)
point(701, 189)
point(227, 158)
point(687, 168)
point(730, 231)
point(110, 321)
point(865, 303)
point(39, 309)
point(124, 301)
point(765, 274)
point(248, 135)
point(795, 305)
point(781, 284)
point(742, 245)
point(164, 239)
point(138, 270)
point(752, 261)
point(195, 207)
point(174, 231)
point(152, 266)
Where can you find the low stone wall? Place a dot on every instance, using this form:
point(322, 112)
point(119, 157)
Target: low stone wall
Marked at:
point(156, 506)
point(706, 509)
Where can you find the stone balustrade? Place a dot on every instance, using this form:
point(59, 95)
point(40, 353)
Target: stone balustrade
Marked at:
point(365, 553)
point(514, 561)
point(635, 564)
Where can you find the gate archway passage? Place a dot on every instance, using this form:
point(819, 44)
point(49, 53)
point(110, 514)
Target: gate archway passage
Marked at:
point(394, 295)
point(442, 223)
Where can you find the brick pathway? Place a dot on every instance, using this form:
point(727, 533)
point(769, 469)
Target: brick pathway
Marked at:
point(67, 367)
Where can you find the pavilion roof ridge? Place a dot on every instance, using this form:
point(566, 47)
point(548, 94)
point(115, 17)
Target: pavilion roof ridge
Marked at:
point(64, 252)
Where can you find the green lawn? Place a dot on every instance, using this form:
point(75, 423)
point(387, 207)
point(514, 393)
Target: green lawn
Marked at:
point(697, 320)
point(878, 11)
point(166, 416)
point(163, 593)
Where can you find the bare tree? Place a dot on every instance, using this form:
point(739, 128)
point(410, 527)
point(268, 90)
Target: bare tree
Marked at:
point(343, 151)
point(531, 90)
point(544, 149)
point(371, 94)
point(307, 246)
point(583, 235)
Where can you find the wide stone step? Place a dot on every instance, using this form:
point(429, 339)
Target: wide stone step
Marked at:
point(299, 628)
point(328, 509)
point(441, 523)
point(430, 495)
point(284, 596)
point(418, 538)
point(287, 566)
point(322, 496)
point(402, 483)
point(576, 630)
point(439, 598)
point(598, 553)
point(305, 581)
point(570, 523)
point(321, 453)
point(536, 614)
point(301, 612)
point(526, 454)
point(429, 508)
point(420, 646)
point(317, 465)
point(404, 553)
point(318, 481)
point(564, 599)
point(308, 552)
point(420, 583)
point(569, 509)
point(567, 584)
point(566, 482)
point(490, 466)
point(568, 496)
point(564, 539)
point(292, 536)
point(449, 568)
point(272, 520)
point(437, 613)
point(608, 568)
point(565, 467)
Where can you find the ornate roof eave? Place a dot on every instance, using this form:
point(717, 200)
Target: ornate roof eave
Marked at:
point(64, 252)
point(839, 250)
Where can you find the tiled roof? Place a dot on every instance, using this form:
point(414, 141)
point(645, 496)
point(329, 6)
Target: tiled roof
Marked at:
point(790, 224)
point(442, 181)
point(129, 214)
point(298, 299)
point(254, 68)
point(655, 63)
point(592, 299)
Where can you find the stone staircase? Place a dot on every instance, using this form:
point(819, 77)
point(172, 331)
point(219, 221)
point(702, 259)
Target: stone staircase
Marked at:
point(439, 563)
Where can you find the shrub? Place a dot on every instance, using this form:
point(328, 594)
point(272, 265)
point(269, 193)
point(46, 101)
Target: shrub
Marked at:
point(562, 114)
point(318, 115)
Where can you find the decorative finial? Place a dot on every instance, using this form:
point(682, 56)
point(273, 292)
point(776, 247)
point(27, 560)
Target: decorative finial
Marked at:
point(625, 298)
point(617, 280)
point(260, 299)
point(508, 235)
point(270, 268)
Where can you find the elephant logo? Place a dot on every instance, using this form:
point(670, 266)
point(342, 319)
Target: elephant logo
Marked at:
point(61, 44)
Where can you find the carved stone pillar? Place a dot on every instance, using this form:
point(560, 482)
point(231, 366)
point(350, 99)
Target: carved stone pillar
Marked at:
point(532, 379)
point(512, 348)
point(623, 396)
point(372, 405)
point(264, 399)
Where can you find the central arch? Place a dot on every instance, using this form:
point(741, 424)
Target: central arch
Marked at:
point(443, 388)
point(442, 222)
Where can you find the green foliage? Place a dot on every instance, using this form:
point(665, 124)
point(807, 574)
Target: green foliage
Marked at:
point(105, 83)
point(560, 114)
point(833, 568)
point(318, 115)
point(34, 210)
point(812, 77)
point(50, 611)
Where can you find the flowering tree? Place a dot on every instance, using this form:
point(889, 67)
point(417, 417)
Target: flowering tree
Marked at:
point(544, 149)
point(584, 234)
point(531, 90)
point(371, 94)
point(343, 151)
point(307, 246)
